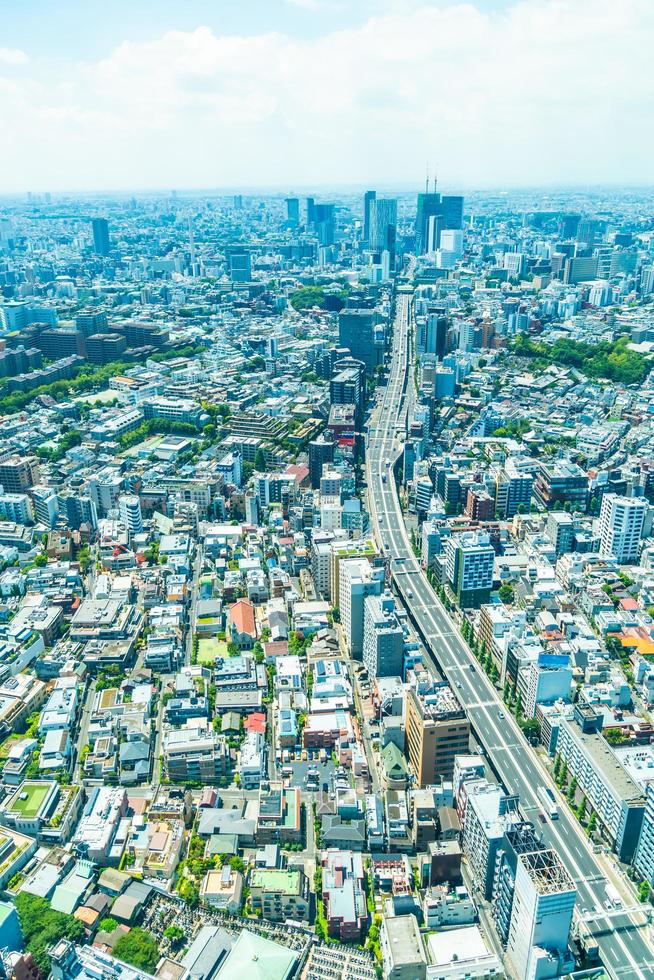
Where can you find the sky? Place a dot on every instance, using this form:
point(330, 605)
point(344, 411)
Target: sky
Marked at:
point(156, 94)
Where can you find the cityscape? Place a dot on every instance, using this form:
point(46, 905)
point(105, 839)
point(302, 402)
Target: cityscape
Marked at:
point(326, 496)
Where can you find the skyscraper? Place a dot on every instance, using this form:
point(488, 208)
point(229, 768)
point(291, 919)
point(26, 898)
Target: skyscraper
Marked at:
point(383, 224)
point(361, 333)
point(293, 210)
point(101, 243)
point(368, 198)
point(311, 210)
point(434, 214)
point(324, 223)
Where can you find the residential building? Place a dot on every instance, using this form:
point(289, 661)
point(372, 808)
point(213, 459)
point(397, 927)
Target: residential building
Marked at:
point(469, 563)
point(383, 638)
point(621, 527)
point(280, 894)
point(437, 730)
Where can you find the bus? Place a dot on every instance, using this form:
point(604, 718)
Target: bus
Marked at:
point(549, 802)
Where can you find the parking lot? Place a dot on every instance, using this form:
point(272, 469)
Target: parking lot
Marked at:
point(300, 770)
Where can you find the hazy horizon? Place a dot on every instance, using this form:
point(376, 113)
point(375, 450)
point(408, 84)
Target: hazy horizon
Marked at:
point(318, 93)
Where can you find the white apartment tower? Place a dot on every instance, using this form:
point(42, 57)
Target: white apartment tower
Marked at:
point(621, 526)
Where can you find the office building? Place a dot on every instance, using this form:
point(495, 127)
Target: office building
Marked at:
point(560, 483)
point(383, 224)
point(543, 902)
point(368, 198)
point(621, 527)
point(487, 813)
point(324, 223)
point(280, 894)
point(344, 895)
point(239, 262)
point(101, 242)
point(293, 210)
point(437, 730)
point(403, 954)
point(469, 563)
point(321, 451)
point(363, 334)
point(434, 214)
point(383, 639)
point(357, 579)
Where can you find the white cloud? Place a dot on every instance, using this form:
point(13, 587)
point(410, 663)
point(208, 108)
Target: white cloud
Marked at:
point(544, 91)
point(13, 56)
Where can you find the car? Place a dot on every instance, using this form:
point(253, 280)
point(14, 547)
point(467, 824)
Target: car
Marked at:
point(459, 684)
point(500, 715)
point(542, 817)
point(409, 594)
point(473, 668)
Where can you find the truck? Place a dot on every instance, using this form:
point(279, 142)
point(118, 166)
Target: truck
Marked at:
point(613, 896)
point(546, 797)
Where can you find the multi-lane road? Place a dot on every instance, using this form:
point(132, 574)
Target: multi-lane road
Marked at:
point(622, 937)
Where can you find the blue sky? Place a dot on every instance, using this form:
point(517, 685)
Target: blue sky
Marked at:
point(100, 95)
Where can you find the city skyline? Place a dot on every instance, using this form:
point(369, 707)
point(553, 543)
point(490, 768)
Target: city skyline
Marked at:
point(314, 92)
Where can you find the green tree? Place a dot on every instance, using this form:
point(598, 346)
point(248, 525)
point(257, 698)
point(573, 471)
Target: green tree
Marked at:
point(643, 892)
point(572, 788)
point(175, 935)
point(42, 927)
point(581, 810)
point(139, 949)
point(557, 767)
point(592, 824)
point(260, 461)
point(107, 924)
point(506, 594)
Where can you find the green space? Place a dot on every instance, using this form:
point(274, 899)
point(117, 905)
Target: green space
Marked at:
point(139, 949)
point(30, 799)
point(211, 647)
point(610, 360)
point(42, 927)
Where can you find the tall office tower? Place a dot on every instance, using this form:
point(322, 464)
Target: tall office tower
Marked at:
point(428, 206)
point(347, 387)
point(321, 451)
point(129, 507)
point(240, 264)
point(383, 224)
point(543, 902)
point(587, 231)
point(431, 334)
point(452, 208)
point(437, 730)
point(311, 210)
point(357, 330)
point(357, 579)
point(293, 210)
point(368, 198)
point(469, 562)
point(383, 639)
point(324, 223)
point(101, 243)
point(238, 202)
point(251, 508)
point(621, 526)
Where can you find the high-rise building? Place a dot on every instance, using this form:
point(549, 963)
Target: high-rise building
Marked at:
point(644, 856)
point(324, 221)
point(621, 526)
point(46, 505)
point(129, 508)
point(101, 242)
point(437, 730)
point(469, 562)
point(383, 224)
point(321, 451)
point(543, 902)
point(383, 639)
point(18, 474)
point(311, 210)
point(513, 488)
point(428, 206)
point(357, 579)
point(560, 531)
point(363, 334)
point(240, 264)
point(368, 198)
point(293, 210)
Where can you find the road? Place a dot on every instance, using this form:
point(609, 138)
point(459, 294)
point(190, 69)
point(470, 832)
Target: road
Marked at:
point(622, 938)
